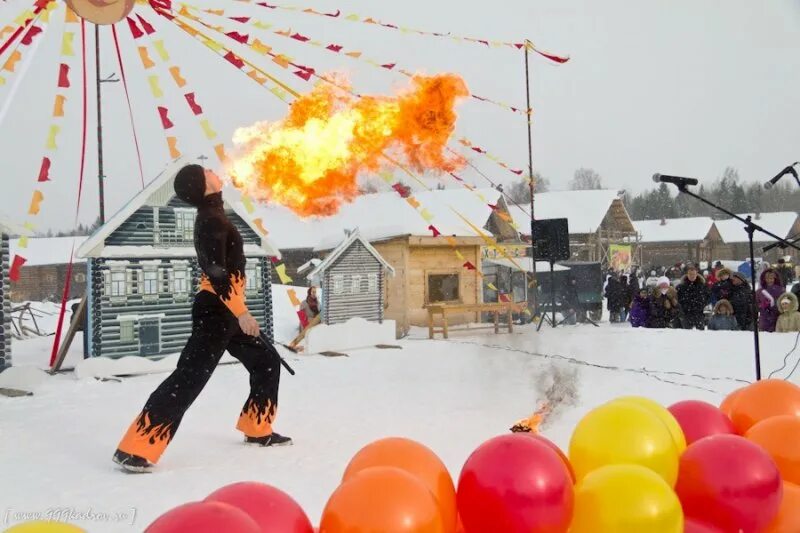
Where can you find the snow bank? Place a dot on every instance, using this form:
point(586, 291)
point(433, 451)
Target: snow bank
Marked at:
point(354, 334)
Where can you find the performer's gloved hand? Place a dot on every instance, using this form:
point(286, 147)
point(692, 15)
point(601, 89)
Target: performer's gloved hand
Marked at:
point(249, 325)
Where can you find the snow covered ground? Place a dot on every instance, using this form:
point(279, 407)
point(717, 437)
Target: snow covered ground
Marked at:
point(56, 446)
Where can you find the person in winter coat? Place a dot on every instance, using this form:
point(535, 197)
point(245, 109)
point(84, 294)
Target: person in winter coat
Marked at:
point(768, 293)
point(614, 297)
point(790, 316)
point(693, 297)
point(722, 288)
point(785, 271)
point(221, 322)
point(723, 319)
point(740, 296)
point(309, 317)
point(665, 310)
point(627, 298)
point(640, 309)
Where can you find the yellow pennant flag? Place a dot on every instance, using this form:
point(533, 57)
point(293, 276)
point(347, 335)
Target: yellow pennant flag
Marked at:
point(355, 55)
point(315, 43)
point(206, 125)
point(284, 33)
point(214, 45)
point(280, 93)
point(172, 143)
point(491, 286)
point(406, 30)
point(35, 201)
point(412, 202)
point(51, 137)
point(176, 75)
point(426, 215)
point(451, 241)
point(281, 60)
point(293, 297)
point(11, 62)
point(154, 87)
point(144, 55)
point(66, 44)
point(162, 51)
point(58, 105)
point(45, 16)
point(260, 47)
point(260, 226)
point(29, 226)
point(460, 255)
point(387, 176)
point(2, 81)
point(71, 16)
point(23, 242)
point(262, 25)
point(27, 15)
point(352, 18)
point(220, 150)
point(188, 29)
point(217, 12)
point(260, 79)
point(281, 270)
point(248, 204)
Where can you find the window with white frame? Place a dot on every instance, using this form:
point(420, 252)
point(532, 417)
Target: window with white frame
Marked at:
point(252, 274)
point(180, 280)
point(149, 281)
point(355, 284)
point(338, 283)
point(184, 223)
point(117, 282)
point(372, 283)
point(126, 331)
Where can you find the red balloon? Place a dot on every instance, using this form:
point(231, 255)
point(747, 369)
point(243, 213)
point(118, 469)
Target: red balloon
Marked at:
point(272, 509)
point(515, 484)
point(729, 482)
point(700, 419)
point(203, 517)
point(556, 449)
point(693, 526)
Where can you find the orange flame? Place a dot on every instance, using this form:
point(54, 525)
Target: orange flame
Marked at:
point(310, 161)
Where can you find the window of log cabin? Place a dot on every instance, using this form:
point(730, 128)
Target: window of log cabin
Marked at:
point(443, 288)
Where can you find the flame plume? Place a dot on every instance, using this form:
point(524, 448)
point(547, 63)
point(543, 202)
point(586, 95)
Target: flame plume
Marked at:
point(310, 160)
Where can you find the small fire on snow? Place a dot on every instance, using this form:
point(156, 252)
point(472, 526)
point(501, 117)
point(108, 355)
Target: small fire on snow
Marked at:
point(310, 160)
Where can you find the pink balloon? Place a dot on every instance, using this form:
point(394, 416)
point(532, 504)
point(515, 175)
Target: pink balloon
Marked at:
point(700, 419)
point(272, 509)
point(203, 517)
point(730, 483)
point(515, 484)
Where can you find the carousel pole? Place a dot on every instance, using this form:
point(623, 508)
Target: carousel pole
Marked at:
point(98, 82)
point(531, 184)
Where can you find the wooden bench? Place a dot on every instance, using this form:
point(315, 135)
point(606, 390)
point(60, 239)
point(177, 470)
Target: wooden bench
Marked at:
point(495, 307)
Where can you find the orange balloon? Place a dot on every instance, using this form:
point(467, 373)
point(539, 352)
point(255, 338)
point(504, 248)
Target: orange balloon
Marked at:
point(419, 461)
point(764, 399)
point(788, 518)
point(382, 498)
point(727, 404)
point(780, 436)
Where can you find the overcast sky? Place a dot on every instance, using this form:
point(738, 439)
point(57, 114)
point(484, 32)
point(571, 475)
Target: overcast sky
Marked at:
point(674, 86)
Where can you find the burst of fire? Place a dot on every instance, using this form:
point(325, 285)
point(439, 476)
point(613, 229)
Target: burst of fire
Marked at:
point(310, 161)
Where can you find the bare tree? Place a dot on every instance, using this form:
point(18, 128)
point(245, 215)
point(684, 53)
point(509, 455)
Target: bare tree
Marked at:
point(520, 191)
point(586, 179)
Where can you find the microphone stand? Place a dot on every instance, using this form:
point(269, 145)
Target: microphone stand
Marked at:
point(750, 227)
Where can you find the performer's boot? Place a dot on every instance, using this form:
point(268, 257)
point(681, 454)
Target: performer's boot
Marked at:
point(273, 439)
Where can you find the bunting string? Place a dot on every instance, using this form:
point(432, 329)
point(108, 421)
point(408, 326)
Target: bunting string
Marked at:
point(128, 100)
point(22, 21)
point(29, 31)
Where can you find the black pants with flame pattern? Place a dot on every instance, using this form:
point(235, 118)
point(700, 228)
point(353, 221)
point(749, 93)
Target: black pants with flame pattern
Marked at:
point(214, 330)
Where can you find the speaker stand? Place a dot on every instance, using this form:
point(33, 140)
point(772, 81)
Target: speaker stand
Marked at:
point(544, 317)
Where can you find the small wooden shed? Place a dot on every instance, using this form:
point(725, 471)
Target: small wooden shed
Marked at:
point(352, 278)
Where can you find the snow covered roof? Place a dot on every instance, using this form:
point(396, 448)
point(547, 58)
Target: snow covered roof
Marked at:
point(339, 250)
point(691, 229)
point(47, 250)
point(157, 193)
point(382, 216)
point(585, 210)
point(780, 223)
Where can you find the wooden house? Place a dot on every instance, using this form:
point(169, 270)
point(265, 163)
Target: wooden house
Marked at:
point(143, 273)
point(353, 279)
point(665, 242)
point(5, 300)
point(44, 274)
point(785, 224)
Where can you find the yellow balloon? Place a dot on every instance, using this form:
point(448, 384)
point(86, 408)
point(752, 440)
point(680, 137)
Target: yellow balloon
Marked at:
point(663, 414)
point(623, 433)
point(44, 526)
point(626, 499)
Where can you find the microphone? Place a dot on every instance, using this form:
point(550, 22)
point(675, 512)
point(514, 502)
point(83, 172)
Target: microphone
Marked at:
point(675, 180)
point(788, 170)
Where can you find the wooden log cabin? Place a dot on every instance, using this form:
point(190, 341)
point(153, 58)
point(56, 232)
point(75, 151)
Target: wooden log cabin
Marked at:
point(665, 242)
point(353, 281)
point(143, 273)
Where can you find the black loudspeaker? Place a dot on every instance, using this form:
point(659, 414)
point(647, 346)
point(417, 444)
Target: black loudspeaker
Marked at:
point(551, 239)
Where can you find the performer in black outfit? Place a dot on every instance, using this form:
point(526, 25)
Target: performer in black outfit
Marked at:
point(220, 321)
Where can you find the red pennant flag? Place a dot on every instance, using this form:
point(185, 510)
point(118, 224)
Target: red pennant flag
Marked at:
point(243, 20)
point(33, 32)
point(190, 98)
point(469, 266)
point(165, 121)
point(15, 266)
point(334, 48)
point(389, 66)
point(519, 46)
point(303, 74)
point(298, 37)
point(492, 206)
point(435, 231)
point(135, 31)
point(274, 260)
point(517, 172)
point(552, 57)
point(483, 42)
point(234, 60)
point(389, 26)
point(238, 37)
point(264, 4)
point(148, 28)
point(63, 76)
point(479, 150)
point(455, 176)
point(44, 170)
point(333, 15)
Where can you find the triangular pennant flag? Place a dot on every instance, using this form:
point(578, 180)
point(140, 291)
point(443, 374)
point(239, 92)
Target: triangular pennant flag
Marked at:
point(491, 286)
point(214, 45)
point(36, 200)
point(12, 60)
point(260, 79)
point(352, 18)
point(146, 26)
point(144, 55)
point(58, 105)
point(172, 144)
point(353, 54)
point(281, 60)
point(280, 93)
point(176, 75)
point(66, 44)
point(154, 87)
point(210, 133)
point(334, 48)
point(16, 265)
point(451, 241)
point(302, 74)
point(281, 270)
point(241, 20)
point(259, 223)
point(161, 50)
point(51, 138)
point(299, 37)
point(195, 107)
point(260, 47)
point(24, 18)
point(293, 297)
point(27, 39)
point(44, 170)
point(63, 76)
point(220, 151)
point(469, 266)
point(163, 112)
point(262, 25)
point(22, 242)
point(435, 231)
point(460, 255)
point(412, 202)
point(135, 31)
point(234, 60)
point(426, 215)
point(238, 37)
